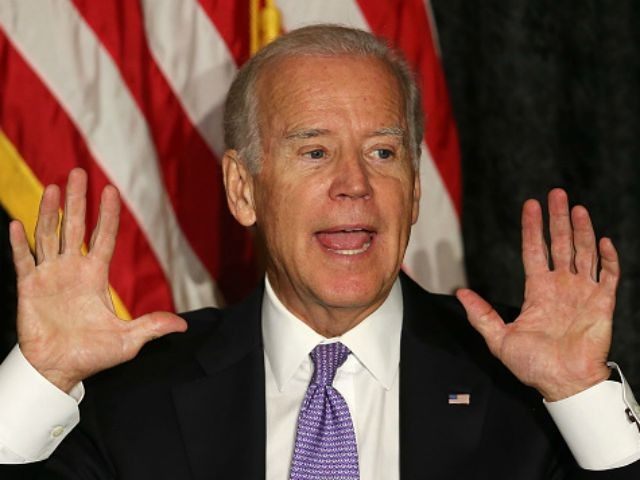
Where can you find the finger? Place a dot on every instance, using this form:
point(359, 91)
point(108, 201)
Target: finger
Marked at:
point(610, 266)
point(149, 327)
point(47, 243)
point(560, 230)
point(534, 248)
point(483, 318)
point(73, 219)
point(22, 258)
point(584, 240)
point(103, 240)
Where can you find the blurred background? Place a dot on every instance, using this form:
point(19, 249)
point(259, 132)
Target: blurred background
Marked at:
point(538, 94)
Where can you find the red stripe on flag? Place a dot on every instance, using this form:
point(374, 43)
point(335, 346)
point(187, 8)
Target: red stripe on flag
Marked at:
point(405, 23)
point(191, 172)
point(51, 145)
point(231, 19)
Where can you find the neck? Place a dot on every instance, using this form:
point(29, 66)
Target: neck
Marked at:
point(326, 319)
point(332, 322)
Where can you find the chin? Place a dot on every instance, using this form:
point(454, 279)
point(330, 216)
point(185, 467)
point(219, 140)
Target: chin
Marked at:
point(351, 293)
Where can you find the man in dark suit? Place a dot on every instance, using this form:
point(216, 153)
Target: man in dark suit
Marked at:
point(323, 135)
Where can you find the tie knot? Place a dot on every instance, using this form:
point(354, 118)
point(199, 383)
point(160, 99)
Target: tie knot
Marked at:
point(327, 358)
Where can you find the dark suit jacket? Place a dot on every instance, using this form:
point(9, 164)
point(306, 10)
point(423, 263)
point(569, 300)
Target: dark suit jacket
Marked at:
point(192, 406)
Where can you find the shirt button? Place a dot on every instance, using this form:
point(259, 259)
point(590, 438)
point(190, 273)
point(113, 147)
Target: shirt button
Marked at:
point(57, 431)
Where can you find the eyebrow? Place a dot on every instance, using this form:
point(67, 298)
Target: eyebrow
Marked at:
point(389, 132)
point(306, 133)
point(318, 132)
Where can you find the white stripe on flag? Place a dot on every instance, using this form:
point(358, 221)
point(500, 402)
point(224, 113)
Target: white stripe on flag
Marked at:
point(195, 60)
point(296, 14)
point(53, 37)
point(434, 257)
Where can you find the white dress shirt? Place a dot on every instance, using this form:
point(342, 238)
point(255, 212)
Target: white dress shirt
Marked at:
point(368, 381)
point(35, 416)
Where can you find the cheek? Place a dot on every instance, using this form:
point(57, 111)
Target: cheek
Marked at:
point(281, 217)
point(396, 199)
point(398, 214)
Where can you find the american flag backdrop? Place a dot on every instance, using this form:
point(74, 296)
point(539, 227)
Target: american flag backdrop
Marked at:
point(133, 91)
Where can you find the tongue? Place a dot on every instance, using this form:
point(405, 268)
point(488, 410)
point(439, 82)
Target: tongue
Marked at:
point(343, 240)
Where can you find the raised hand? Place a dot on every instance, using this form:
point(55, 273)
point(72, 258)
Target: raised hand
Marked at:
point(67, 328)
point(560, 341)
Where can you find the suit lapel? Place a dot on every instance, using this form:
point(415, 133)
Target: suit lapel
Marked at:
point(436, 437)
point(222, 414)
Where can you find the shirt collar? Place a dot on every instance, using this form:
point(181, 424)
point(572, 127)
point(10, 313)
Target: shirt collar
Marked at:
point(375, 341)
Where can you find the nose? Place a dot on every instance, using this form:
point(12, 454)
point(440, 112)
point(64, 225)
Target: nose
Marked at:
point(351, 179)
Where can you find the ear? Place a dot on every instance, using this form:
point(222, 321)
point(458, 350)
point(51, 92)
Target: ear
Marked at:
point(415, 207)
point(238, 183)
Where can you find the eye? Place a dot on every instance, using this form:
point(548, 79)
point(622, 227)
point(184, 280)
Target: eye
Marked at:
point(384, 153)
point(316, 154)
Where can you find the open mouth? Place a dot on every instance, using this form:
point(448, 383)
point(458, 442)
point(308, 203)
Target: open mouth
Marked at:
point(346, 241)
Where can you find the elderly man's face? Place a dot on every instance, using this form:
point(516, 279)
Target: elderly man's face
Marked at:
point(337, 195)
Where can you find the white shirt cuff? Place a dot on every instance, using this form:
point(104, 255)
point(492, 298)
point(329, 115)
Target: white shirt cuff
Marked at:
point(595, 425)
point(35, 416)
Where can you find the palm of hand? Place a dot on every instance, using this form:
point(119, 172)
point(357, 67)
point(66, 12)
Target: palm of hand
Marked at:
point(560, 341)
point(78, 333)
point(67, 328)
point(561, 333)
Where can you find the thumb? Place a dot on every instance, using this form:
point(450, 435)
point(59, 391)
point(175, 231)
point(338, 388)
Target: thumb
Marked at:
point(483, 317)
point(151, 326)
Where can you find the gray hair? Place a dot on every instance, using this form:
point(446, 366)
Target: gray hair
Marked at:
point(241, 126)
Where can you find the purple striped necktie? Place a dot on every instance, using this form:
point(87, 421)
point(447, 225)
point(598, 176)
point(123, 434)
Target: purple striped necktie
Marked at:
point(325, 446)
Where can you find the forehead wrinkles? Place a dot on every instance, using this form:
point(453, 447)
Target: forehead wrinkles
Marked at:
point(295, 92)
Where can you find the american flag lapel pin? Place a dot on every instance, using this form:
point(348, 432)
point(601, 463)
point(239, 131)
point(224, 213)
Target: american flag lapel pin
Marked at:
point(459, 399)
